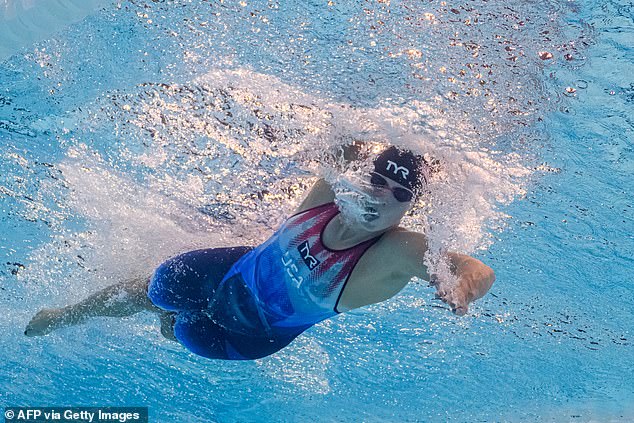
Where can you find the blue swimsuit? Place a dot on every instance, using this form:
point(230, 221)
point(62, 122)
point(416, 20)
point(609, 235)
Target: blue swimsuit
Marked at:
point(244, 303)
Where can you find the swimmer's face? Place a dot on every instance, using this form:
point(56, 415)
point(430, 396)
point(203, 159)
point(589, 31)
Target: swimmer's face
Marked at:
point(391, 202)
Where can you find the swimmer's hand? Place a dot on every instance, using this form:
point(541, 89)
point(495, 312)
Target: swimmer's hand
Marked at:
point(474, 281)
point(456, 297)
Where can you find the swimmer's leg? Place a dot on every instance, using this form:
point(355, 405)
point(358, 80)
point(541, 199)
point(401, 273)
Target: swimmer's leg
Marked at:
point(119, 300)
point(181, 283)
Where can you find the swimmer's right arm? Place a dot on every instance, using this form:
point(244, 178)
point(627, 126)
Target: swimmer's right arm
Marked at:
point(319, 194)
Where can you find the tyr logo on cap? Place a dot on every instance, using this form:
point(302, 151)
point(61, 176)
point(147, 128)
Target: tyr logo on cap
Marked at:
point(402, 166)
point(396, 168)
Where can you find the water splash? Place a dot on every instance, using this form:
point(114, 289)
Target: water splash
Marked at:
point(224, 159)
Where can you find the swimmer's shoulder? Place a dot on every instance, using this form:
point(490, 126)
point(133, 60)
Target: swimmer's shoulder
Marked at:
point(320, 193)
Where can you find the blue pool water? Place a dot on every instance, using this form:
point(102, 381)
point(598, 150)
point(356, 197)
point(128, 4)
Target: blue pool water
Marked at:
point(118, 135)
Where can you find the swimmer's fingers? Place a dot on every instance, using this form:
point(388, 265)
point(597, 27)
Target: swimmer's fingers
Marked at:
point(454, 299)
point(460, 310)
point(458, 303)
point(442, 294)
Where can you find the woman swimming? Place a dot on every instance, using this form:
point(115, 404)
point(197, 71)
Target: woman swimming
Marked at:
point(331, 256)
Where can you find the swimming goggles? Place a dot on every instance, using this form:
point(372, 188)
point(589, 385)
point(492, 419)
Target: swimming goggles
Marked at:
point(402, 195)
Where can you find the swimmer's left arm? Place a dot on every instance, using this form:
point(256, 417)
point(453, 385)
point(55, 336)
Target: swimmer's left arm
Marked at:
point(474, 278)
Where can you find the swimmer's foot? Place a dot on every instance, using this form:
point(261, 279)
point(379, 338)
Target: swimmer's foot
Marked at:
point(45, 321)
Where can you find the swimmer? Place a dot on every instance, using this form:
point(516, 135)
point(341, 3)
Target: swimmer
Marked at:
point(342, 249)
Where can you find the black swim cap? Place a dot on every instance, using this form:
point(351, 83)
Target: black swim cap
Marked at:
point(401, 166)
